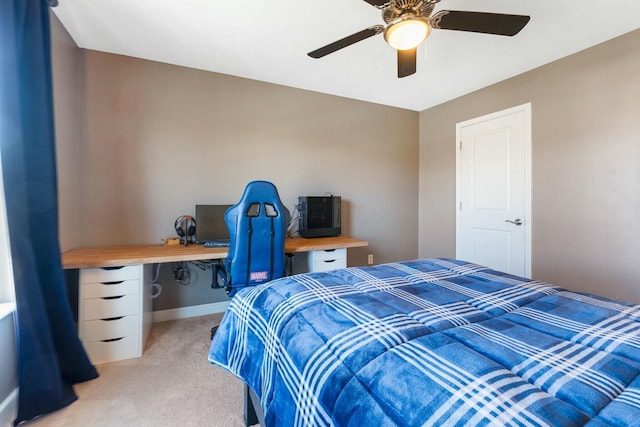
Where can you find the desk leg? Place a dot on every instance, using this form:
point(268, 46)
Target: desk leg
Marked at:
point(289, 264)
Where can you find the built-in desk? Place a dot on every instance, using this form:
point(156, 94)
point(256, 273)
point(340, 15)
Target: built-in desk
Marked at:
point(114, 295)
point(113, 256)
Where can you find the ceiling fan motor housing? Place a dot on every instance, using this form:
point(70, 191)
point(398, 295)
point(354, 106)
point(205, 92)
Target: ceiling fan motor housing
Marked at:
point(406, 9)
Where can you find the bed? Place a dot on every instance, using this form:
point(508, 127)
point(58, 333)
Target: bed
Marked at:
point(432, 342)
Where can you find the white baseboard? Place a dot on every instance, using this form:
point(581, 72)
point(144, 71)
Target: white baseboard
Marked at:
point(9, 409)
point(191, 311)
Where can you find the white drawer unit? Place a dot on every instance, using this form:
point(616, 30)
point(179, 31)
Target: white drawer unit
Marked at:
point(110, 274)
point(110, 307)
point(126, 347)
point(114, 311)
point(111, 288)
point(327, 259)
point(111, 328)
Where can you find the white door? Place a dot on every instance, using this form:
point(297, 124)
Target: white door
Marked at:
point(493, 194)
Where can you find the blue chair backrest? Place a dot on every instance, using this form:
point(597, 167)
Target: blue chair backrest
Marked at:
point(258, 228)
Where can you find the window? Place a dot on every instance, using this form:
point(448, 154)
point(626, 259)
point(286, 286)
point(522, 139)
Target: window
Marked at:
point(6, 275)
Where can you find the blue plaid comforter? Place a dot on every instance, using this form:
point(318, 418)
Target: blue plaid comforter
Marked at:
point(432, 342)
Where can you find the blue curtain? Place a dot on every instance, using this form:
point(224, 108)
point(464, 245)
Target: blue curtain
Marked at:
point(50, 356)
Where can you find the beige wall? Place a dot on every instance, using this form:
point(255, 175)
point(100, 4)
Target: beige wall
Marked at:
point(163, 138)
point(586, 167)
point(158, 139)
point(67, 82)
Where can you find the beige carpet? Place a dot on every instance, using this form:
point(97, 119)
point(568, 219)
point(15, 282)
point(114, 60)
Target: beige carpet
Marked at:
point(172, 384)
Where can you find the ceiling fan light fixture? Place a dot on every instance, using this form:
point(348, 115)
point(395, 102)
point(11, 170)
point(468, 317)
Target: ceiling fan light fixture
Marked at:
point(407, 33)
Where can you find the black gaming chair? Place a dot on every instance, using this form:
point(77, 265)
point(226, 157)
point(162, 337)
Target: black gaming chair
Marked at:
point(258, 228)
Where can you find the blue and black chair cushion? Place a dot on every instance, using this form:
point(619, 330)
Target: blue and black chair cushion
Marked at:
point(258, 228)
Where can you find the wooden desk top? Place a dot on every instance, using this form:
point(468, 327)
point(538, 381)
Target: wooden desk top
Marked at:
point(111, 256)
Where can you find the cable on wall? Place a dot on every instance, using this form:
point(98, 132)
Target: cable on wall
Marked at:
point(292, 229)
point(156, 288)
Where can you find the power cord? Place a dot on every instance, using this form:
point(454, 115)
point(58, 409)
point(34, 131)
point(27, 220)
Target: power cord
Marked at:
point(294, 224)
point(155, 285)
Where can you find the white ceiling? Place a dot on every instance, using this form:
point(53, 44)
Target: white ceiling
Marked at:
point(269, 41)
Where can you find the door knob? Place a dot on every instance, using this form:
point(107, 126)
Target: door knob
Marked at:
point(518, 221)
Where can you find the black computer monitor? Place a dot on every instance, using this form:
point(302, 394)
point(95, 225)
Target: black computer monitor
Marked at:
point(210, 224)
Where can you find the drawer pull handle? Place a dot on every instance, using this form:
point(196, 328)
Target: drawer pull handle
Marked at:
point(329, 260)
point(113, 268)
point(113, 283)
point(111, 319)
point(116, 297)
point(113, 339)
point(329, 250)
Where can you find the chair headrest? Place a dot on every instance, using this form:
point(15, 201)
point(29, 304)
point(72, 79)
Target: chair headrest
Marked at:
point(260, 193)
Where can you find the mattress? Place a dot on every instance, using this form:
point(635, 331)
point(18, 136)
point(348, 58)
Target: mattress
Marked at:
point(432, 342)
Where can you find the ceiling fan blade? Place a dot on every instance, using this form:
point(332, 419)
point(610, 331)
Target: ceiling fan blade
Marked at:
point(406, 62)
point(347, 41)
point(479, 22)
point(377, 3)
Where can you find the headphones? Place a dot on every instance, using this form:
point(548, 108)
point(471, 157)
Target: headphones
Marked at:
point(185, 226)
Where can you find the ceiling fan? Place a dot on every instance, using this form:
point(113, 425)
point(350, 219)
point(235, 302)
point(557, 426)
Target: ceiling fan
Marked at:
point(409, 22)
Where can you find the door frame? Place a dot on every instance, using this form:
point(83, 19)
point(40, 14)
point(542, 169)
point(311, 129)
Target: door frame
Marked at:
point(528, 223)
